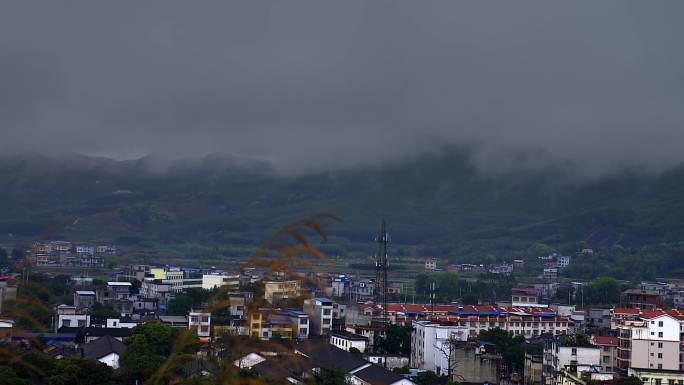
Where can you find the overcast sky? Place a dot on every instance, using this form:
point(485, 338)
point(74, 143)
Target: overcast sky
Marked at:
point(325, 84)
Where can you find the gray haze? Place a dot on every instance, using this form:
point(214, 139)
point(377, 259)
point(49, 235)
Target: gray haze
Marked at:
point(311, 84)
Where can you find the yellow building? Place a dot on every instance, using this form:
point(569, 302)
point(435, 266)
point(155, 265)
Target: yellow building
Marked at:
point(171, 276)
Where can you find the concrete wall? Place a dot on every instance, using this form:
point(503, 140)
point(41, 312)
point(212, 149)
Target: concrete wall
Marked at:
point(648, 355)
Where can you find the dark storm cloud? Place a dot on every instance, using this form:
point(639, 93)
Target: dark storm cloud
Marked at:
point(318, 84)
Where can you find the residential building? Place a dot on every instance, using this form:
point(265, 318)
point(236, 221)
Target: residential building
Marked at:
point(362, 290)
point(299, 321)
point(274, 291)
point(395, 288)
point(161, 290)
point(598, 318)
point(134, 272)
point(84, 299)
point(642, 299)
point(339, 286)
point(659, 287)
point(502, 269)
point(430, 344)
point(200, 323)
point(117, 291)
point(524, 296)
point(527, 321)
point(175, 321)
point(475, 363)
point(377, 375)
point(114, 323)
point(550, 273)
point(106, 350)
point(533, 373)
point(357, 371)
point(173, 276)
point(346, 340)
point(6, 326)
point(320, 311)
point(656, 344)
point(608, 346)
point(431, 264)
point(220, 279)
point(69, 317)
point(7, 292)
point(648, 339)
point(563, 261)
point(558, 357)
point(657, 376)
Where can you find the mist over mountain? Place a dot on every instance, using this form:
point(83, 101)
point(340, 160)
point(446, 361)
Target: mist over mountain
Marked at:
point(439, 204)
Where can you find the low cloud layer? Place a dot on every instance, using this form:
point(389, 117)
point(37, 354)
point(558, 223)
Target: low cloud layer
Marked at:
point(311, 84)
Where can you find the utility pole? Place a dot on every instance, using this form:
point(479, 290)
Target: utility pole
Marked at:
point(381, 268)
point(432, 299)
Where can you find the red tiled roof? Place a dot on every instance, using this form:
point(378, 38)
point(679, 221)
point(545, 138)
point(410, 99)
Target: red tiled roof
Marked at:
point(605, 340)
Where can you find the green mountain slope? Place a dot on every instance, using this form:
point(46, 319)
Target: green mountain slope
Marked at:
point(435, 205)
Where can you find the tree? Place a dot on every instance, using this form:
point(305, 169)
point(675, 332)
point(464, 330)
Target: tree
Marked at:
point(604, 290)
point(10, 377)
point(100, 312)
point(81, 371)
point(17, 253)
point(152, 345)
point(179, 305)
point(139, 361)
point(3, 257)
point(512, 349)
point(430, 378)
point(331, 377)
point(397, 340)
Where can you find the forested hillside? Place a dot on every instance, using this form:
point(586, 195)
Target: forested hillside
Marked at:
point(436, 205)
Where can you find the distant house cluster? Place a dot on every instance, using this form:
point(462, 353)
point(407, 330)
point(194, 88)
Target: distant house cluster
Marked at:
point(67, 254)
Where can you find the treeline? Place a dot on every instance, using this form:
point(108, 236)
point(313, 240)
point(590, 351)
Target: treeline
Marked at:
point(599, 291)
point(630, 263)
point(450, 287)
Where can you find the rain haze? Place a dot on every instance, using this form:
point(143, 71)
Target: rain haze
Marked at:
point(310, 84)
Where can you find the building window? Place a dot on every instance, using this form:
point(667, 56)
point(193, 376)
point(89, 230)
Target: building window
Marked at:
point(660, 344)
point(302, 321)
point(326, 311)
point(660, 355)
point(660, 323)
point(660, 334)
point(574, 351)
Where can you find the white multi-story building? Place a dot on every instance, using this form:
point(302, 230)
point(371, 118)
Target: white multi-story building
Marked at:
point(68, 316)
point(655, 345)
point(210, 281)
point(558, 357)
point(648, 339)
point(320, 311)
point(430, 344)
point(346, 341)
point(156, 288)
point(529, 321)
point(431, 264)
point(200, 323)
point(563, 261)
